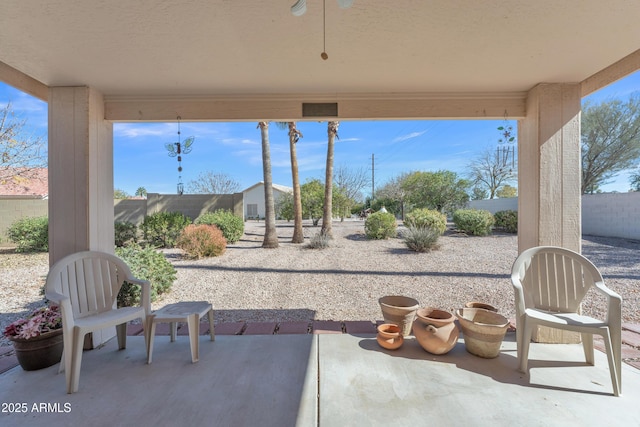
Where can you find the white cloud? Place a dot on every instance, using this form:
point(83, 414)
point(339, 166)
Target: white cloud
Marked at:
point(134, 130)
point(408, 136)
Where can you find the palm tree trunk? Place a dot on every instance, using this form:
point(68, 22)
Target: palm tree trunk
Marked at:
point(298, 234)
point(327, 216)
point(270, 235)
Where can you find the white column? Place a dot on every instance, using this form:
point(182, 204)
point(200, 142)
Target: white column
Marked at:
point(549, 199)
point(80, 173)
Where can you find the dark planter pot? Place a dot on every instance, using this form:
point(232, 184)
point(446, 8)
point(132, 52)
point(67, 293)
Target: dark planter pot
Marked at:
point(39, 352)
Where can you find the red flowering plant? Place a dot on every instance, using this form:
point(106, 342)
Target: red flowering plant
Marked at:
point(45, 319)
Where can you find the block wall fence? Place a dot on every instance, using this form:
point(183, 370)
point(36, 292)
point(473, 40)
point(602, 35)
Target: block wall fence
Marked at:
point(607, 214)
point(13, 208)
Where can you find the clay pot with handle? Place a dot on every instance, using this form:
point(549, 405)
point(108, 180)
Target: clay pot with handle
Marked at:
point(435, 330)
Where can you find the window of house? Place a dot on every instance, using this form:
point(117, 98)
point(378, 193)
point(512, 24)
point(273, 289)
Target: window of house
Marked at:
point(252, 210)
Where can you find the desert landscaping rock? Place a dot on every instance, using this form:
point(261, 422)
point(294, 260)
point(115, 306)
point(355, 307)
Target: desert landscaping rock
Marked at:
point(344, 281)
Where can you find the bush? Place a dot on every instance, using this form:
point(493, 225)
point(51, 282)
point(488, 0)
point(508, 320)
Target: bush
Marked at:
point(30, 234)
point(125, 233)
point(421, 239)
point(232, 226)
point(421, 218)
point(507, 221)
point(380, 225)
point(147, 264)
point(319, 241)
point(473, 221)
point(161, 229)
point(202, 240)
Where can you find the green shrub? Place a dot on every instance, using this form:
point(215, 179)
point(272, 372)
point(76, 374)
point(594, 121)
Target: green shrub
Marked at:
point(473, 221)
point(232, 226)
point(319, 241)
point(125, 233)
point(380, 225)
point(30, 234)
point(161, 229)
point(421, 239)
point(147, 264)
point(202, 240)
point(421, 218)
point(507, 221)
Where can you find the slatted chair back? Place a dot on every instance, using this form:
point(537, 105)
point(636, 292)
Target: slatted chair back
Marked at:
point(555, 279)
point(90, 279)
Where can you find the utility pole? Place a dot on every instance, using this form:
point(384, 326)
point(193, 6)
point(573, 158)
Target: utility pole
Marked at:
point(373, 175)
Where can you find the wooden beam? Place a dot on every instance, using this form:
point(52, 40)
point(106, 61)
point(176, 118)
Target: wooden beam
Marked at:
point(616, 71)
point(21, 81)
point(289, 108)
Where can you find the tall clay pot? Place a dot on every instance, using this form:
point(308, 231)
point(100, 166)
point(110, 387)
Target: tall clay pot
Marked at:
point(435, 330)
point(399, 310)
point(483, 331)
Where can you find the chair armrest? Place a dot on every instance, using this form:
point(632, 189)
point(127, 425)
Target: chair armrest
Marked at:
point(614, 303)
point(66, 311)
point(519, 294)
point(145, 294)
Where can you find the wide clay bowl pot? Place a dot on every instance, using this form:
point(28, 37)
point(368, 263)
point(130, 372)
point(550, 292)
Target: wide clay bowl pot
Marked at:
point(478, 304)
point(483, 331)
point(399, 310)
point(435, 330)
point(389, 336)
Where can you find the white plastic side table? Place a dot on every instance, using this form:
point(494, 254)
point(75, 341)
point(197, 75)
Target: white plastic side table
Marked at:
point(189, 312)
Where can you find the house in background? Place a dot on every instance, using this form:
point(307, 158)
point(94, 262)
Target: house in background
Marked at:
point(254, 206)
point(32, 183)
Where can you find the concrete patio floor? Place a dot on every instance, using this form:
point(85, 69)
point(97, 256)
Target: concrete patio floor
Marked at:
point(321, 380)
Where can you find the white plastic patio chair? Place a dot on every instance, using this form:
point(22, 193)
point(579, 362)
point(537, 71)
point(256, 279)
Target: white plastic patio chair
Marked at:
point(85, 285)
point(550, 283)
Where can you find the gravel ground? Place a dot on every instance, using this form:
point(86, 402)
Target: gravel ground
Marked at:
point(343, 282)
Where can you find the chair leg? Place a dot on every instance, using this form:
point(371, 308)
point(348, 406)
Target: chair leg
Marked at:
point(523, 344)
point(615, 353)
point(145, 331)
point(73, 374)
point(121, 331)
point(151, 334)
point(173, 329)
point(611, 358)
point(61, 367)
point(587, 346)
point(193, 323)
point(212, 331)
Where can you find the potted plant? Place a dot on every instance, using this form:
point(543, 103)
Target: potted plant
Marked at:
point(37, 338)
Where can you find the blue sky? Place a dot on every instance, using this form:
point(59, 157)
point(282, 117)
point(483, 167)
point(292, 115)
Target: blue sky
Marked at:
point(141, 159)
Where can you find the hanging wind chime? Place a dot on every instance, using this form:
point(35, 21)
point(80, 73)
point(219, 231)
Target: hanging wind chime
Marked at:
point(506, 152)
point(178, 149)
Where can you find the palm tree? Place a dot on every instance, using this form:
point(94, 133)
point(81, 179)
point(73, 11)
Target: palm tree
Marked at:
point(327, 215)
point(141, 192)
point(270, 235)
point(294, 136)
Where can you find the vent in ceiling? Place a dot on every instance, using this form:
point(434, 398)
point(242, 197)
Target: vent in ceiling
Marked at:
point(319, 109)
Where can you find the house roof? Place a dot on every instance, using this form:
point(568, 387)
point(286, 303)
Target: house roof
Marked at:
point(234, 49)
point(26, 183)
point(281, 188)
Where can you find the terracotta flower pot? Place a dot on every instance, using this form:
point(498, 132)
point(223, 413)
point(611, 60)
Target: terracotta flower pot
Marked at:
point(39, 352)
point(435, 330)
point(483, 331)
point(389, 336)
point(477, 304)
point(399, 310)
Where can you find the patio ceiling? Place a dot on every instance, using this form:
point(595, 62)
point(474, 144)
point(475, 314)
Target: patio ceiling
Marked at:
point(196, 48)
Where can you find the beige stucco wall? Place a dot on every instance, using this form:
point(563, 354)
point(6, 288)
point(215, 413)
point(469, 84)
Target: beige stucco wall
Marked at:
point(12, 208)
point(606, 214)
